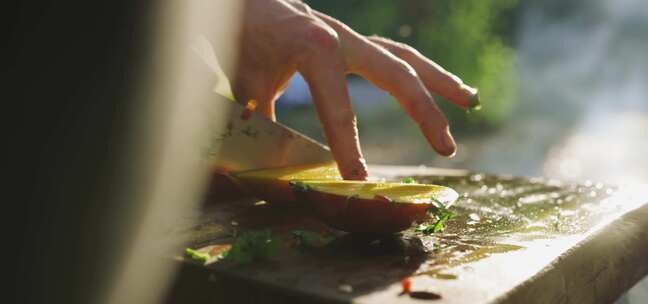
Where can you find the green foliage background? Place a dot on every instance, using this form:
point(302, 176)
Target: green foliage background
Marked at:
point(472, 39)
point(469, 38)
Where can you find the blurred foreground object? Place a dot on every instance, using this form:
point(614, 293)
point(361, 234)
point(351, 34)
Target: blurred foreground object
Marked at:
point(110, 142)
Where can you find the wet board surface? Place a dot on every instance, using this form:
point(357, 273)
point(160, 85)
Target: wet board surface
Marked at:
point(513, 240)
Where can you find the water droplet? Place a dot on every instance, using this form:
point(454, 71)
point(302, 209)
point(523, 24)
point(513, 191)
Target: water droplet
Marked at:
point(476, 177)
point(345, 288)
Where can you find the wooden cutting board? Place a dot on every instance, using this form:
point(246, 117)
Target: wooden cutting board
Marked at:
point(514, 240)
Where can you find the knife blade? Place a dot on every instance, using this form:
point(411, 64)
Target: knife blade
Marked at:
point(243, 143)
point(252, 142)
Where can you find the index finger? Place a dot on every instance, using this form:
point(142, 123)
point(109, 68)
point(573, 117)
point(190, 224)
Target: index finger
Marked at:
point(324, 73)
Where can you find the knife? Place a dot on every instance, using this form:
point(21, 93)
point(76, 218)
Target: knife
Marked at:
point(249, 141)
point(245, 141)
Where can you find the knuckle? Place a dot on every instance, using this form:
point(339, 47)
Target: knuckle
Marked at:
point(344, 120)
point(423, 107)
point(406, 71)
point(301, 6)
point(404, 51)
point(320, 37)
point(432, 118)
point(410, 72)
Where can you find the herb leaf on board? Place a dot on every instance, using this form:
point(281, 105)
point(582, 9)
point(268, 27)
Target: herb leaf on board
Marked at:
point(439, 214)
point(309, 239)
point(409, 180)
point(251, 246)
point(196, 256)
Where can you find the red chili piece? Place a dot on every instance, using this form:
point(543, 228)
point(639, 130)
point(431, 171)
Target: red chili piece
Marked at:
point(406, 284)
point(250, 106)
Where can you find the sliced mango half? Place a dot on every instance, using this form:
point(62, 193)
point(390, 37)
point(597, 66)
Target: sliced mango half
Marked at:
point(353, 206)
point(370, 207)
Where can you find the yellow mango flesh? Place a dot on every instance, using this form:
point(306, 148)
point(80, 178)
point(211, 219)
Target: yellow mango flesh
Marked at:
point(272, 185)
point(396, 192)
point(324, 171)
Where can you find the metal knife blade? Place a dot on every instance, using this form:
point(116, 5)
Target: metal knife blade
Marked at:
point(256, 142)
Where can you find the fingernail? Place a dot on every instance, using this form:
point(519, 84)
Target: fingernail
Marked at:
point(448, 142)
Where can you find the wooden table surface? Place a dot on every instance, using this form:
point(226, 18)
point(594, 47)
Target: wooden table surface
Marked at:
point(514, 240)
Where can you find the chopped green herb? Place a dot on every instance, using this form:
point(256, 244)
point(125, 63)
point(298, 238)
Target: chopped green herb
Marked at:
point(309, 239)
point(476, 108)
point(475, 104)
point(196, 256)
point(438, 205)
point(409, 180)
point(251, 246)
point(440, 215)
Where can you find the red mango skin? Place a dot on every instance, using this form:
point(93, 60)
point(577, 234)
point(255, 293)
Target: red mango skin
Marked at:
point(276, 192)
point(361, 215)
point(222, 188)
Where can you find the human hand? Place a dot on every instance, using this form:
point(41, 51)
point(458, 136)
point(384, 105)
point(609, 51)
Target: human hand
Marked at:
point(281, 37)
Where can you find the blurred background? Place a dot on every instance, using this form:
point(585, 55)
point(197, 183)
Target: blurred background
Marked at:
point(563, 84)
